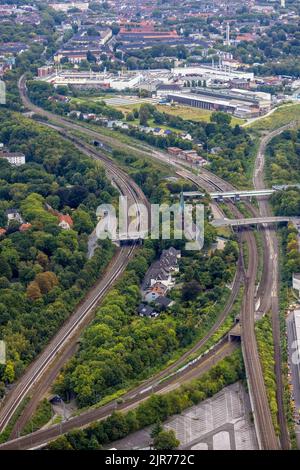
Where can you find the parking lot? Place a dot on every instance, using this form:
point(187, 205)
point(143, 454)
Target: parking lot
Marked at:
point(222, 422)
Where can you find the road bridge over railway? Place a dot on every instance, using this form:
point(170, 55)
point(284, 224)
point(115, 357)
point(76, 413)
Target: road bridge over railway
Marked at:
point(128, 238)
point(250, 221)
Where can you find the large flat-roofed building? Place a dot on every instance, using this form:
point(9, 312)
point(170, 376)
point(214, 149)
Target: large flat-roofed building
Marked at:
point(14, 158)
point(296, 332)
point(65, 6)
point(203, 102)
point(95, 79)
point(82, 36)
point(241, 103)
point(296, 282)
point(240, 108)
point(84, 42)
point(146, 32)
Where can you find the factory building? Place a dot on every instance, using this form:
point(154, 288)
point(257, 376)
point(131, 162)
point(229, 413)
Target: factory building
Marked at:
point(203, 102)
point(145, 32)
point(94, 80)
point(241, 103)
point(211, 103)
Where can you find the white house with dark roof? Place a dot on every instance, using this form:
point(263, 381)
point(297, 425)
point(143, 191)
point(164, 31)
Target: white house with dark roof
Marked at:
point(162, 270)
point(14, 215)
point(159, 278)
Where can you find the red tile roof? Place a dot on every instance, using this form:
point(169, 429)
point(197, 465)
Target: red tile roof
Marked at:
point(66, 218)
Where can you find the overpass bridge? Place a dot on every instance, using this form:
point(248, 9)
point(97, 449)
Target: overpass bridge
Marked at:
point(231, 194)
point(127, 238)
point(250, 221)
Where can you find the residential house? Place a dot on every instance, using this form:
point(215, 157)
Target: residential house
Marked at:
point(25, 227)
point(162, 303)
point(215, 150)
point(158, 131)
point(186, 137)
point(13, 158)
point(162, 270)
point(65, 220)
point(59, 98)
point(14, 215)
point(157, 290)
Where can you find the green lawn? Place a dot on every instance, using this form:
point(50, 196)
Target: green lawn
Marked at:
point(185, 112)
point(89, 99)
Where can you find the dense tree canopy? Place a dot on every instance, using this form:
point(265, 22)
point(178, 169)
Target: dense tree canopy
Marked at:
point(156, 408)
point(120, 347)
point(44, 271)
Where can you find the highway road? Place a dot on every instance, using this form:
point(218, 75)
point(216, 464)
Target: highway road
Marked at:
point(272, 263)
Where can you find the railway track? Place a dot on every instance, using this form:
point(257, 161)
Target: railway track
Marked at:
point(130, 401)
point(56, 354)
point(257, 386)
point(262, 415)
point(170, 370)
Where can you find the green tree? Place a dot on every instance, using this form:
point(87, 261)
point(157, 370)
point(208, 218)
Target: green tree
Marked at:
point(9, 372)
point(166, 440)
point(61, 443)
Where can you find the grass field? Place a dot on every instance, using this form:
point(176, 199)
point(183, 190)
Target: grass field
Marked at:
point(283, 115)
point(128, 108)
point(90, 99)
point(185, 112)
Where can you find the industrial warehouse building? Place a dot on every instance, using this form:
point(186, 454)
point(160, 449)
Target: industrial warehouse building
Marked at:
point(94, 79)
point(208, 72)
